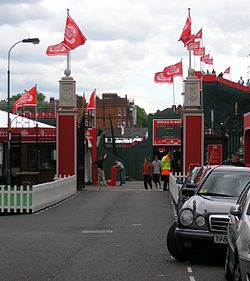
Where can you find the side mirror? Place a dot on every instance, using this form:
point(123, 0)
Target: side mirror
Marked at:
point(191, 185)
point(188, 191)
point(235, 211)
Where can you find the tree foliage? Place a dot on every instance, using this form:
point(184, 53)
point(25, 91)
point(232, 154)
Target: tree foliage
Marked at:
point(142, 117)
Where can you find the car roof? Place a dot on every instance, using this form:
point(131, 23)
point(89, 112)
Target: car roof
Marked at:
point(230, 168)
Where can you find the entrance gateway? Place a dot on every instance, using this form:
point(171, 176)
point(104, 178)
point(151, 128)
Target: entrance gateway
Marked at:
point(167, 136)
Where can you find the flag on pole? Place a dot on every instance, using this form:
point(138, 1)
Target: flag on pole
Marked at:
point(186, 32)
point(205, 57)
point(27, 99)
point(198, 35)
point(73, 37)
point(91, 104)
point(193, 45)
point(57, 50)
point(173, 70)
point(209, 61)
point(199, 51)
point(227, 71)
point(160, 78)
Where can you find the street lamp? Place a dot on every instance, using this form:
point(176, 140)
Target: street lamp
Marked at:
point(28, 40)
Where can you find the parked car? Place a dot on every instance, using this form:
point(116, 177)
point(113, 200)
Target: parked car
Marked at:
point(191, 182)
point(237, 264)
point(202, 221)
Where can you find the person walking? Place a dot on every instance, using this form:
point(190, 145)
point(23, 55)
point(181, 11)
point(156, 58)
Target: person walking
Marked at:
point(147, 170)
point(121, 170)
point(166, 163)
point(100, 172)
point(156, 172)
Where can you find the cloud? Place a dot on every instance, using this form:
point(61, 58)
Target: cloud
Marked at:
point(128, 41)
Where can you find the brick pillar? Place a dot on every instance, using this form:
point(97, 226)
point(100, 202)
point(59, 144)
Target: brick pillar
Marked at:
point(247, 139)
point(193, 124)
point(66, 128)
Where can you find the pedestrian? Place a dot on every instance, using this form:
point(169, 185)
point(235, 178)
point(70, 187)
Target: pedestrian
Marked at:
point(248, 83)
point(220, 74)
point(241, 81)
point(147, 170)
point(166, 164)
point(235, 160)
point(156, 172)
point(121, 171)
point(100, 171)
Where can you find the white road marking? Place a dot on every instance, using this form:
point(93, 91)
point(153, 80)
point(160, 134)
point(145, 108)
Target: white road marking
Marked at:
point(160, 275)
point(136, 224)
point(191, 278)
point(118, 245)
point(101, 231)
point(189, 269)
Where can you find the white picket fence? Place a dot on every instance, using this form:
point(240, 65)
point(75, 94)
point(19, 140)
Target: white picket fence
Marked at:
point(30, 199)
point(175, 184)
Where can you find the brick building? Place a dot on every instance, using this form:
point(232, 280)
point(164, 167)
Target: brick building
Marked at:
point(120, 110)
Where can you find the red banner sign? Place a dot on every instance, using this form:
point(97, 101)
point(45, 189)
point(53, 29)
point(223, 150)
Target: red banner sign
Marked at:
point(214, 154)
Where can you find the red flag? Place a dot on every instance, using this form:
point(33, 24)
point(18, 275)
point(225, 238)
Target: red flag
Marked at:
point(73, 36)
point(227, 71)
point(193, 45)
point(199, 51)
point(198, 35)
point(173, 70)
point(91, 104)
point(57, 50)
point(27, 99)
point(186, 32)
point(209, 61)
point(160, 78)
point(205, 57)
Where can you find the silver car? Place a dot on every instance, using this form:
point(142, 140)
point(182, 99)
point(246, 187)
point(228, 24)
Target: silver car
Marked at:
point(237, 265)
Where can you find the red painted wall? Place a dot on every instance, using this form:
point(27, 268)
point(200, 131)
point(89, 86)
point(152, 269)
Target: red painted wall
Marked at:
point(193, 147)
point(66, 145)
point(247, 138)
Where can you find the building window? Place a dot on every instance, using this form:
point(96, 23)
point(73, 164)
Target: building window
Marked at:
point(119, 112)
point(124, 111)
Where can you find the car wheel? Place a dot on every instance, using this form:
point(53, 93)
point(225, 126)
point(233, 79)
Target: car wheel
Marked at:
point(227, 272)
point(173, 246)
point(236, 273)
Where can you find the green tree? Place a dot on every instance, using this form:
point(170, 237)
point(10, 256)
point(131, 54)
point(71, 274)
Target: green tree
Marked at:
point(142, 117)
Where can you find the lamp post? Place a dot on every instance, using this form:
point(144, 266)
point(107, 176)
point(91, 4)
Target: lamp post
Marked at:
point(28, 40)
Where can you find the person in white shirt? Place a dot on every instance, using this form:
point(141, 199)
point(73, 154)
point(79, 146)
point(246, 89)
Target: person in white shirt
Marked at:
point(121, 171)
point(241, 81)
point(156, 172)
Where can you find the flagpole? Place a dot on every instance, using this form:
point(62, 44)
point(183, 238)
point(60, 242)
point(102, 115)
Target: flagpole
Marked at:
point(95, 110)
point(36, 102)
point(173, 95)
point(68, 57)
point(189, 48)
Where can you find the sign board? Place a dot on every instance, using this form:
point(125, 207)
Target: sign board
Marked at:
point(214, 154)
point(167, 132)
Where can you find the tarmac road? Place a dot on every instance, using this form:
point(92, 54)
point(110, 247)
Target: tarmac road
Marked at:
point(114, 234)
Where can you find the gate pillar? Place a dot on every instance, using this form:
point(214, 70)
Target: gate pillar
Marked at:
point(193, 124)
point(66, 129)
point(247, 139)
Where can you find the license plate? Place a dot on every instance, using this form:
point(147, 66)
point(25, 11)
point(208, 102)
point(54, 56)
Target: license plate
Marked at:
point(221, 239)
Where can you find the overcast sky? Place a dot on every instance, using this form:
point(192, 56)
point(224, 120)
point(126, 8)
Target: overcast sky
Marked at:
point(128, 41)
